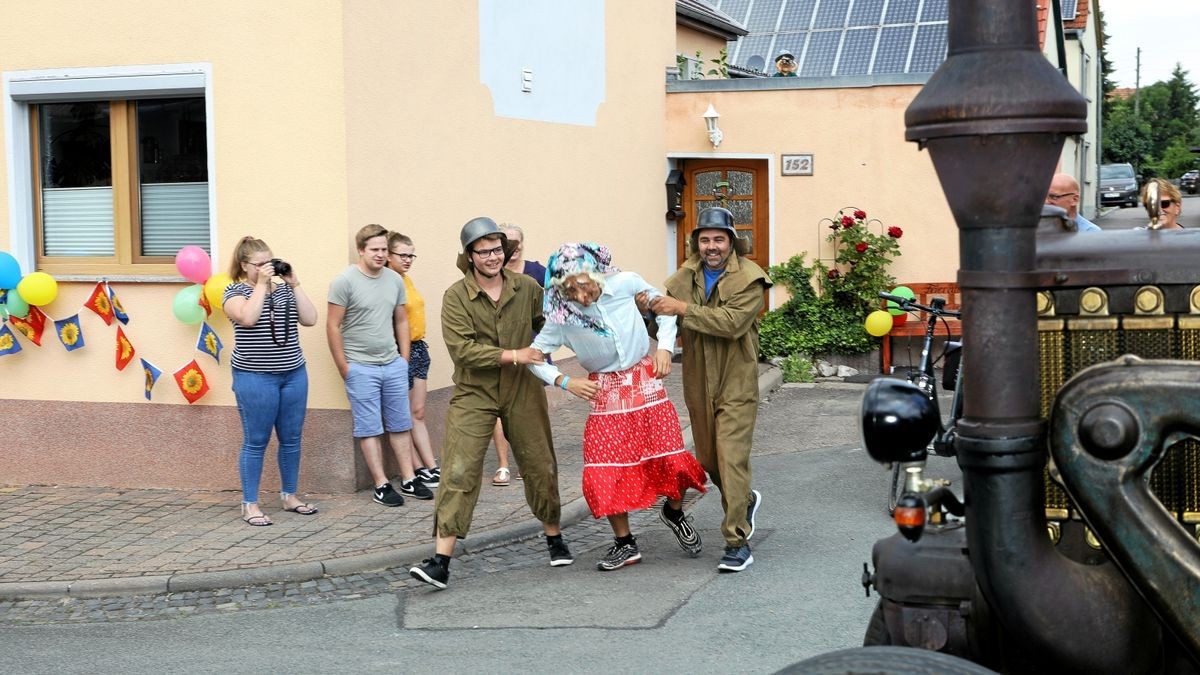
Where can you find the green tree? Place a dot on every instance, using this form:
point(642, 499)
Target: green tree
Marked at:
point(1126, 138)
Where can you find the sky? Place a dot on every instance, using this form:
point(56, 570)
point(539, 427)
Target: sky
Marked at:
point(1168, 31)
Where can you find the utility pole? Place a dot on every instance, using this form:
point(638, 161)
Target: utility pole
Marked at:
point(1137, 85)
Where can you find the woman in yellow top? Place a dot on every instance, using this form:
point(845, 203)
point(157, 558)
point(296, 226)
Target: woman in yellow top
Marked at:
point(401, 255)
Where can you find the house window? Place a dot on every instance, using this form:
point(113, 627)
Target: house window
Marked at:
point(119, 183)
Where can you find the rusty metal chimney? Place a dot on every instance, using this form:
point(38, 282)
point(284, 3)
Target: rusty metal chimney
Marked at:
point(994, 118)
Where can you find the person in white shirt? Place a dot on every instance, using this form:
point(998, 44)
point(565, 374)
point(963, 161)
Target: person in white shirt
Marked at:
point(633, 449)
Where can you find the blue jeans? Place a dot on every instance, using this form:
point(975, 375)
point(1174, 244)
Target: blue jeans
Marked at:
point(266, 401)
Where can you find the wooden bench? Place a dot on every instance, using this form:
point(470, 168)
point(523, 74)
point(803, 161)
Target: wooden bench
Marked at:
point(915, 325)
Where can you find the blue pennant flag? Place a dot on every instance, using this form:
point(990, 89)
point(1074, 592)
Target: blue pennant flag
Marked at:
point(152, 374)
point(69, 333)
point(117, 309)
point(209, 342)
point(8, 342)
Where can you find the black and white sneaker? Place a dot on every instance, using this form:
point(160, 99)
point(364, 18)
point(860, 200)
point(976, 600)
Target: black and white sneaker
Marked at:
point(685, 534)
point(415, 489)
point(619, 556)
point(752, 511)
point(559, 553)
point(736, 559)
point(384, 494)
point(431, 478)
point(431, 573)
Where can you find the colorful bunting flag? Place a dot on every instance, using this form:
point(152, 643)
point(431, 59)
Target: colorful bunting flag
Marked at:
point(8, 342)
point(118, 310)
point(32, 325)
point(209, 342)
point(204, 303)
point(191, 381)
point(3, 305)
point(69, 333)
point(125, 350)
point(150, 371)
point(99, 303)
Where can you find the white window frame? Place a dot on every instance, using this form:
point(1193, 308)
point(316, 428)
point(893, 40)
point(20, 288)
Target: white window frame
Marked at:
point(23, 88)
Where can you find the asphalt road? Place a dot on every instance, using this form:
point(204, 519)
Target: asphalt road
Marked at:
point(823, 508)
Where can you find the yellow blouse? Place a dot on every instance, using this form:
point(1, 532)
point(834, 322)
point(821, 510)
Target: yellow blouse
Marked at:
point(416, 311)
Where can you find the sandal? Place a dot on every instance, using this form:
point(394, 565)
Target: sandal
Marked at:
point(261, 520)
point(304, 509)
point(501, 477)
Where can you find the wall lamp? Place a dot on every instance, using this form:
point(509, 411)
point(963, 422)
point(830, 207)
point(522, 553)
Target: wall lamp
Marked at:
point(710, 122)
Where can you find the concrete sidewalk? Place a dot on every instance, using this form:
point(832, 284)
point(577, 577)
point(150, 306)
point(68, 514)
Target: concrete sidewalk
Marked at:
point(96, 542)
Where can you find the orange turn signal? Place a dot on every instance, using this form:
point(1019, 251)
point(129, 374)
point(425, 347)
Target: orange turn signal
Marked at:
point(910, 517)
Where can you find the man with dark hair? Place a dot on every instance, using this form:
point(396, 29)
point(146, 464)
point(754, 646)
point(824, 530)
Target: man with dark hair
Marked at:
point(366, 325)
point(488, 318)
point(717, 295)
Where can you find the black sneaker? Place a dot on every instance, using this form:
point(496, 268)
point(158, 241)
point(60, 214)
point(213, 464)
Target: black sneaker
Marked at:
point(430, 477)
point(559, 553)
point(736, 559)
point(431, 573)
point(387, 496)
point(415, 489)
point(685, 534)
point(752, 511)
point(619, 556)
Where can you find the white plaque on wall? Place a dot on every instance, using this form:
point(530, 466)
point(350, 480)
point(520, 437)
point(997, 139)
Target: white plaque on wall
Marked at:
point(797, 165)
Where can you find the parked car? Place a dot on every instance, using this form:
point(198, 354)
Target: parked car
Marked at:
point(1188, 182)
point(1118, 185)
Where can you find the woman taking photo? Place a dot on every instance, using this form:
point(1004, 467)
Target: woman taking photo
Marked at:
point(269, 378)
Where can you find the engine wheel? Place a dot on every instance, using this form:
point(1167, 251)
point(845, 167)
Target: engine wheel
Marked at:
point(893, 660)
point(877, 630)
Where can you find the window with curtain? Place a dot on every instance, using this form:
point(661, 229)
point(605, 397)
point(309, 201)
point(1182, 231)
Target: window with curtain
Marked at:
point(120, 183)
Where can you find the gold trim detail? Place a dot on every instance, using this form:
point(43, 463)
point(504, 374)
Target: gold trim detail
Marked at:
point(1093, 301)
point(1091, 539)
point(1057, 514)
point(1105, 323)
point(1148, 300)
point(1054, 530)
point(1149, 322)
point(1045, 303)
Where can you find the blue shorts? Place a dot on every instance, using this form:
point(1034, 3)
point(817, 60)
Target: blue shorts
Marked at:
point(378, 398)
point(418, 362)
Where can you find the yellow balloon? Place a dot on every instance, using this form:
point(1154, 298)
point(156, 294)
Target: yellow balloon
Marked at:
point(38, 288)
point(878, 323)
point(214, 289)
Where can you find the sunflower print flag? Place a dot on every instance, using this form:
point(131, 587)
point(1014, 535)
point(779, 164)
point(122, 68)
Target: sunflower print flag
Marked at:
point(8, 342)
point(209, 342)
point(69, 333)
point(117, 309)
point(100, 304)
point(192, 381)
point(125, 350)
point(152, 374)
point(32, 325)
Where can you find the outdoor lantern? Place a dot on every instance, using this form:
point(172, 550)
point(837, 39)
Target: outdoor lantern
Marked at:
point(710, 123)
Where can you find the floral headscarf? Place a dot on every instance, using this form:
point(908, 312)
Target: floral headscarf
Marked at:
point(572, 259)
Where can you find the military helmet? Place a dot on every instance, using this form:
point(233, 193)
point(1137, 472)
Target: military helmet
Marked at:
point(477, 228)
point(718, 218)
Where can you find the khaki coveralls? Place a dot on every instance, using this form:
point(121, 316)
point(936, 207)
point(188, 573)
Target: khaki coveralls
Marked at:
point(477, 331)
point(720, 376)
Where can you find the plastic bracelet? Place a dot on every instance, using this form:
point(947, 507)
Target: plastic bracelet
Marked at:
point(565, 380)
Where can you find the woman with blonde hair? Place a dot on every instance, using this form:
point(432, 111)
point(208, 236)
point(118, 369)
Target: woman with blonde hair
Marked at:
point(1163, 196)
point(270, 381)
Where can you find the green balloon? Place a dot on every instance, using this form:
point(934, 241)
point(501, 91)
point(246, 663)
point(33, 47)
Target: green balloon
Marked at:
point(904, 292)
point(16, 305)
point(187, 304)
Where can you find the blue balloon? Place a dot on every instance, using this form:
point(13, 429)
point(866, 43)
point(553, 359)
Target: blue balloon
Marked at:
point(10, 271)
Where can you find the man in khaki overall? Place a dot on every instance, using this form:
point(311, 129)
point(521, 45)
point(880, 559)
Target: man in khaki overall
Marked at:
point(487, 320)
point(718, 295)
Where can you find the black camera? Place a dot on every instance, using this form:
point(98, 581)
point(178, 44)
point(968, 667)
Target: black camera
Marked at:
point(282, 269)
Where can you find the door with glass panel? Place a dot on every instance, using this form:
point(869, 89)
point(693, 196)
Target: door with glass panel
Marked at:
point(738, 185)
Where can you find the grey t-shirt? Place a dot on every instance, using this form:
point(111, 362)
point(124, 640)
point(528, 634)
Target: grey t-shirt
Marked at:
point(367, 329)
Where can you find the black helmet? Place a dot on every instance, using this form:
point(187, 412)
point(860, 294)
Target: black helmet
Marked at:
point(898, 420)
point(717, 218)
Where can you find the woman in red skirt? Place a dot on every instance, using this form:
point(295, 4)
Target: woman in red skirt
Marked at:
point(632, 445)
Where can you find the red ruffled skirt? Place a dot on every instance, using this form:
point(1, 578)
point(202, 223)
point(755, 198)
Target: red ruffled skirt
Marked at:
point(632, 445)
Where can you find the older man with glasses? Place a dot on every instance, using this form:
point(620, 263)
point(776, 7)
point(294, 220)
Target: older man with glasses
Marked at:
point(1064, 193)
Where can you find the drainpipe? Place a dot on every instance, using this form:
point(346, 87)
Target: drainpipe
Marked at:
point(994, 118)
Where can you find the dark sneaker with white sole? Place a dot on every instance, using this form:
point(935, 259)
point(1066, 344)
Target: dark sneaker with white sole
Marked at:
point(431, 573)
point(384, 494)
point(430, 477)
point(559, 553)
point(415, 489)
point(685, 534)
point(752, 511)
point(619, 556)
point(736, 559)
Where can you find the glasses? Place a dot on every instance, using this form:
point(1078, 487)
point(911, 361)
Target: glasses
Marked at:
point(1065, 194)
point(405, 256)
point(1166, 203)
point(488, 252)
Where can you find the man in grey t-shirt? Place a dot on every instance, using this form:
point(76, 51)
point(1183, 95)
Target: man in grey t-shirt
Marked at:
point(367, 328)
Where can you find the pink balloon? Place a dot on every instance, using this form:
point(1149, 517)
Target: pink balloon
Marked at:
point(194, 264)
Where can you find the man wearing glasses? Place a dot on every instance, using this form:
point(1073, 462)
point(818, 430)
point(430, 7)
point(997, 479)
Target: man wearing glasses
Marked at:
point(1064, 193)
point(487, 319)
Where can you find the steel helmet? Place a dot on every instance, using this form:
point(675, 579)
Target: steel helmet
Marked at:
point(898, 420)
point(718, 218)
point(476, 229)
